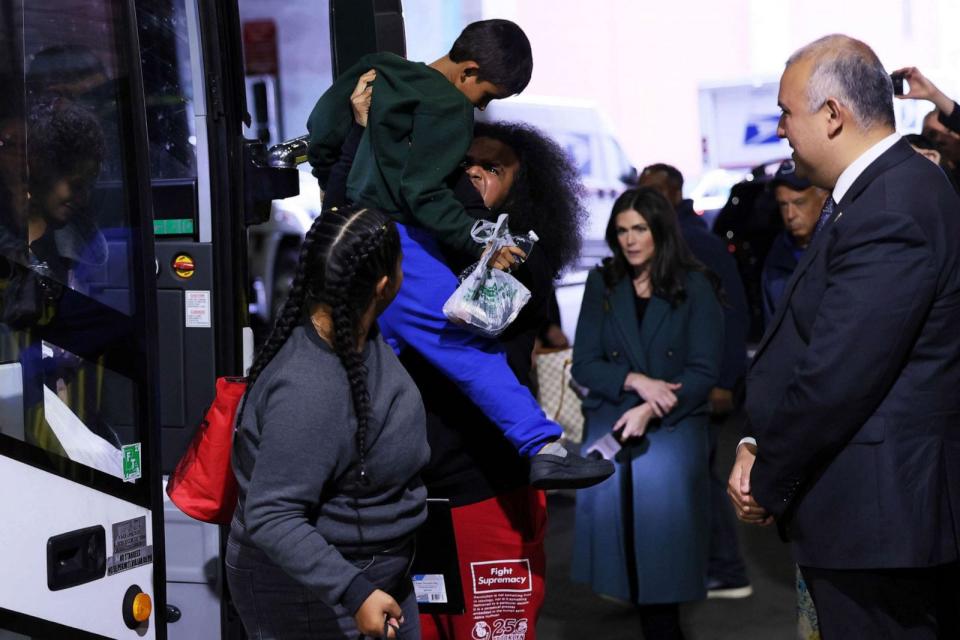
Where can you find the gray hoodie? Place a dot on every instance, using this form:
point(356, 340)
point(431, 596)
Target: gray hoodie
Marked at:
point(295, 456)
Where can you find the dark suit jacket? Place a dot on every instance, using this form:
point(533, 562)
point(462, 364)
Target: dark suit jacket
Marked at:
point(853, 394)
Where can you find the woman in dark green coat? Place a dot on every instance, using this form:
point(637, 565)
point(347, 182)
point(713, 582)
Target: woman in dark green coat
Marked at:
point(648, 347)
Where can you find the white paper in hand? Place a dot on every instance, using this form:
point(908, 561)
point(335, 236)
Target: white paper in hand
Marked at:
point(608, 446)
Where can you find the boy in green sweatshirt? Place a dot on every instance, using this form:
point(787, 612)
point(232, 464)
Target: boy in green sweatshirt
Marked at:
point(420, 126)
point(418, 131)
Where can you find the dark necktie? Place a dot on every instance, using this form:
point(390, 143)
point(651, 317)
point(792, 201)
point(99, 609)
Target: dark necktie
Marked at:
point(825, 215)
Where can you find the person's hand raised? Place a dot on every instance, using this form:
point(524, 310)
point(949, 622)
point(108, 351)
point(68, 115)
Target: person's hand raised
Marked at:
point(921, 88)
point(362, 97)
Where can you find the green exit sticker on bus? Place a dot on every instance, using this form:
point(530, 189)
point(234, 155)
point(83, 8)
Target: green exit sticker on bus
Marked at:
point(174, 227)
point(131, 462)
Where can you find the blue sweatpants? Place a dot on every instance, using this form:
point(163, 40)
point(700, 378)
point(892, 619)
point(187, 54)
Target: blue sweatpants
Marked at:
point(475, 363)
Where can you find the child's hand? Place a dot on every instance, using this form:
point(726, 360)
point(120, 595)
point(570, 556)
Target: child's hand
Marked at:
point(507, 258)
point(362, 96)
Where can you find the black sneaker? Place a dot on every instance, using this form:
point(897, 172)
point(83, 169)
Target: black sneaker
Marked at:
point(548, 471)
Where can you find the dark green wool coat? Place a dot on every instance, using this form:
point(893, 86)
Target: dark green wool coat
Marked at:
point(655, 508)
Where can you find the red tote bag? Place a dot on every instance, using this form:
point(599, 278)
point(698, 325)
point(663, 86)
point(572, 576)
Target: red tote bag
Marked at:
point(203, 485)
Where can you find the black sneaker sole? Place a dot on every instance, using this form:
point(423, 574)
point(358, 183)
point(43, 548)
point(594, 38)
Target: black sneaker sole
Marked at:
point(561, 474)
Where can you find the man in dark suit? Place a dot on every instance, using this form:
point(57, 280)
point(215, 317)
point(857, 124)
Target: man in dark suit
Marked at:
point(852, 398)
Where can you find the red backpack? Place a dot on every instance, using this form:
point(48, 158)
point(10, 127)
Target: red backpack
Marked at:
point(203, 485)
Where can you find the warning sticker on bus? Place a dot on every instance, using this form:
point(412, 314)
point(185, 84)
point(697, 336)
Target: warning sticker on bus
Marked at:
point(129, 560)
point(130, 549)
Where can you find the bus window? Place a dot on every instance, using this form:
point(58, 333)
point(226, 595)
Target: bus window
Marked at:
point(73, 134)
point(165, 61)
point(72, 368)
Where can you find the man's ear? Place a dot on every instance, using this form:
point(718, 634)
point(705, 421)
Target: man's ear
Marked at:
point(836, 116)
point(468, 69)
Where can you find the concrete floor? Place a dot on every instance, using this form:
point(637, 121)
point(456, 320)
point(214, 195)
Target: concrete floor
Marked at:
point(574, 612)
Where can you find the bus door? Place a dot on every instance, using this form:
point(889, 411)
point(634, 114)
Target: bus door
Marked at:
point(81, 529)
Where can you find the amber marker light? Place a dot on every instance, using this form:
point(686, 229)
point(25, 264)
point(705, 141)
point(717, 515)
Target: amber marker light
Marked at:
point(142, 606)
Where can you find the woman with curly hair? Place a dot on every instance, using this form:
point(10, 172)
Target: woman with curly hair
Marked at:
point(65, 151)
point(329, 445)
point(510, 168)
point(518, 170)
point(546, 192)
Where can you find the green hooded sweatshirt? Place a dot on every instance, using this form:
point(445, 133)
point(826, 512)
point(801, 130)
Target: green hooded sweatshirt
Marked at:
point(418, 132)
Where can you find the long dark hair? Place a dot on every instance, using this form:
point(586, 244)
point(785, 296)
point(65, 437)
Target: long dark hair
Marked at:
point(547, 195)
point(672, 259)
point(343, 256)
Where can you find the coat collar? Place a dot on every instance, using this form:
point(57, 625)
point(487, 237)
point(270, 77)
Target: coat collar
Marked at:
point(896, 154)
point(637, 339)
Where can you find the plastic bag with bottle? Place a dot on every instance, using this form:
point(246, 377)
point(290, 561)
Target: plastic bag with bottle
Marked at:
point(489, 299)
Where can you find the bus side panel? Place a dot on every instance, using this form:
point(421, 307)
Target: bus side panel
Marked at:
point(36, 506)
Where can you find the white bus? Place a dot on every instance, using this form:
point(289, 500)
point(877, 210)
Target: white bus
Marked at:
point(126, 189)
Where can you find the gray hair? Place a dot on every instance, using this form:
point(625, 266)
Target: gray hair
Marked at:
point(850, 72)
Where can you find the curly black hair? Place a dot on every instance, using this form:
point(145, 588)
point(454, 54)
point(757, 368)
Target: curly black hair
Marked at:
point(343, 256)
point(62, 137)
point(547, 194)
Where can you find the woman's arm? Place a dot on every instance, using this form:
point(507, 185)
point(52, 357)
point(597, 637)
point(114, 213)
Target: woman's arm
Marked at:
point(331, 118)
point(591, 368)
point(335, 193)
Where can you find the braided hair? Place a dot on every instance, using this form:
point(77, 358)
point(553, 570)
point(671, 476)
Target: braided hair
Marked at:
point(344, 254)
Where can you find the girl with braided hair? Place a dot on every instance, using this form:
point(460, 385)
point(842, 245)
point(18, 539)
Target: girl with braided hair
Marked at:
point(330, 441)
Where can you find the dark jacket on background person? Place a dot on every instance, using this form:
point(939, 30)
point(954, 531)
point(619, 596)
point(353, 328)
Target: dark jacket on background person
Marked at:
point(777, 269)
point(419, 129)
point(295, 457)
point(951, 120)
point(852, 395)
point(712, 252)
point(687, 215)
